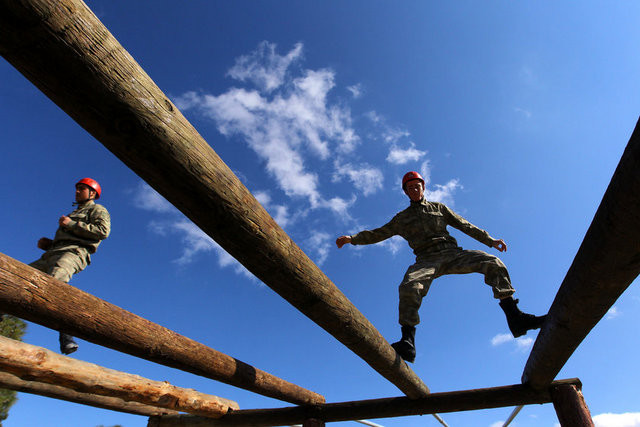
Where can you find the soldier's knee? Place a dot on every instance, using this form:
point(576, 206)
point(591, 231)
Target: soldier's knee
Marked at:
point(61, 274)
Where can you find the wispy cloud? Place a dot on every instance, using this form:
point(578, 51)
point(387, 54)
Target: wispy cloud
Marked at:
point(612, 313)
point(319, 245)
point(366, 178)
point(169, 221)
point(400, 156)
point(264, 67)
point(628, 419)
point(522, 344)
point(287, 125)
point(356, 90)
point(146, 198)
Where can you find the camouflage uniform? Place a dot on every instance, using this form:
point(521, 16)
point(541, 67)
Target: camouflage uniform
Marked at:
point(72, 246)
point(424, 225)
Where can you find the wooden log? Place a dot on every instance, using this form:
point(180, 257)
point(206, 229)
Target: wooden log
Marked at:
point(65, 51)
point(570, 406)
point(34, 363)
point(32, 295)
point(607, 261)
point(467, 400)
point(13, 382)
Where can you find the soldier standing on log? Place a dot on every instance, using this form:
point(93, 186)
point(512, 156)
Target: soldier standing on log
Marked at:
point(77, 237)
point(424, 225)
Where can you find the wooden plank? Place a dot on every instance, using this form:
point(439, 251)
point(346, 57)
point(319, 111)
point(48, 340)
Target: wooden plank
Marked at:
point(570, 406)
point(607, 261)
point(467, 400)
point(13, 382)
point(65, 51)
point(32, 295)
point(41, 365)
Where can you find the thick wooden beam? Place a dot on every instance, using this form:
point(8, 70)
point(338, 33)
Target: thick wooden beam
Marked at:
point(65, 51)
point(607, 261)
point(468, 400)
point(570, 406)
point(42, 365)
point(32, 295)
point(13, 382)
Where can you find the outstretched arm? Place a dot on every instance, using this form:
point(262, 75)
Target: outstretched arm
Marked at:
point(342, 240)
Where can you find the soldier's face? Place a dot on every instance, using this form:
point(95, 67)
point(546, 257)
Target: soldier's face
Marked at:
point(83, 193)
point(415, 190)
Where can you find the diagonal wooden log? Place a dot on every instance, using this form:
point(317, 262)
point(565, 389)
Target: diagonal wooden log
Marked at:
point(32, 295)
point(607, 261)
point(65, 51)
point(454, 401)
point(13, 382)
point(41, 365)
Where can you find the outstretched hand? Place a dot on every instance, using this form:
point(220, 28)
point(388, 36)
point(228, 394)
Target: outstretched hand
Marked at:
point(500, 245)
point(342, 240)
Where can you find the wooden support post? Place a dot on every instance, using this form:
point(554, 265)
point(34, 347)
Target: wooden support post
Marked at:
point(62, 47)
point(570, 406)
point(41, 365)
point(12, 382)
point(468, 400)
point(32, 295)
point(607, 261)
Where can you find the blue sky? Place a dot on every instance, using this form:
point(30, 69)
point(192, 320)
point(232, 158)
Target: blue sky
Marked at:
point(516, 113)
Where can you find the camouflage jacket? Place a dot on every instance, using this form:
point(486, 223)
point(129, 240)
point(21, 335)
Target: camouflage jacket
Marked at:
point(424, 226)
point(90, 224)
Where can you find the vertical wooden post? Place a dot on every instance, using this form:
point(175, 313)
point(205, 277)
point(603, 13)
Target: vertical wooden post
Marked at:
point(570, 406)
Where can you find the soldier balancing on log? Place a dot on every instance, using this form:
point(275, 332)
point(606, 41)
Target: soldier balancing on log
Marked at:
point(424, 225)
point(77, 237)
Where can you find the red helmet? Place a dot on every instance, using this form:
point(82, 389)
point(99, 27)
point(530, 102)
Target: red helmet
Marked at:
point(93, 184)
point(410, 176)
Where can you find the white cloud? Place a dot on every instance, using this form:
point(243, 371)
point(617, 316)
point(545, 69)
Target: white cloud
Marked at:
point(356, 90)
point(366, 178)
point(319, 243)
point(442, 193)
point(522, 343)
point(264, 67)
point(522, 111)
point(287, 128)
point(497, 424)
point(400, 156)
point(612, 313)
point(280, 213)
point(146, 198)
point(629, 419)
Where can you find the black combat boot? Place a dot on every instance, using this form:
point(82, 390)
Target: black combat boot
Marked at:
point(67, 344)
point(406, 347)
point(519, 322)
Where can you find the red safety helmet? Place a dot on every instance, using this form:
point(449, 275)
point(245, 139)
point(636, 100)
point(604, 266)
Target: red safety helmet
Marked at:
point(93, 184)
point(410, 176)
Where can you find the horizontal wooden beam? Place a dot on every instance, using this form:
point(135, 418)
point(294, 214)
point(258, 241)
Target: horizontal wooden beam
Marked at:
point(65, 51)
point(468, 400)
point(13, 382)
point(606, 263)
point(32, 295)
point(42, 365)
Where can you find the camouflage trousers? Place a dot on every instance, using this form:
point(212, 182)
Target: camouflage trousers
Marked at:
point(429, 266)
point(62, 264)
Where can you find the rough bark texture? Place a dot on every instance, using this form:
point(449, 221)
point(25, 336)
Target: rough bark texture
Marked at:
point(13, 382)
point(32, 295)
point(570, 406)
point(66, 52)
point(607, 261)
point(468, 400)
point(41, 365)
